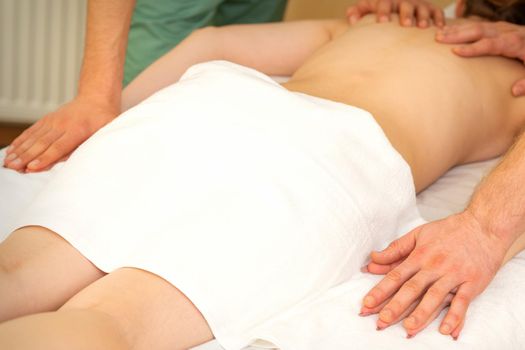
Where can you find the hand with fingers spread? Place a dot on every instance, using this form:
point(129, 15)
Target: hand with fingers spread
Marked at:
point(57, 134)
point(411, 12)
point(487, 38)
point(446, 261)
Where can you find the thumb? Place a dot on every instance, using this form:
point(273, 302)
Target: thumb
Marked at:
point(518, 89)
point(397, 250)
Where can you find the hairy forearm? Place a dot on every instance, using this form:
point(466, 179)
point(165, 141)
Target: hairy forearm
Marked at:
point(105, 49)
point(499, 201)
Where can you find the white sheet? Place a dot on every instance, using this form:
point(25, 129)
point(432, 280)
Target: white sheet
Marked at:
point(495, 319)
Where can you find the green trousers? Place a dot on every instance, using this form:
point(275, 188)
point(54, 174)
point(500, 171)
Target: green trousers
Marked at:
point(159, 25)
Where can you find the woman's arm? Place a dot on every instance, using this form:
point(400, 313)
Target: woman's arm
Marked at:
point(272, 48)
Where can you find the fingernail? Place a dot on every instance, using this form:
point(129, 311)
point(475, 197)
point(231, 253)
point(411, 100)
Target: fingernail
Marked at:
point(16, 162)
point(365, 312)
point(10, 157)
point(445, 329)
point(364, 268)
point(369, 301)
point(408, 22)
point(379, 328)
point(10, 149)
point(455, 338)
point(33, 164)
point(383, 19)
point(410, 336)
point(439, 36)
point(353, 19)
point(386, 315)
point(517, 90)
point(423, 23)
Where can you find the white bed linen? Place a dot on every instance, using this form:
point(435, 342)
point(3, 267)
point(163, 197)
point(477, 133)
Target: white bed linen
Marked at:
point(255, 173)
point(495, 318)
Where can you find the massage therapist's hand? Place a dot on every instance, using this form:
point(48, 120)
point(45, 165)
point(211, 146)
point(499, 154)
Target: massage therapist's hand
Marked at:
point(410, 12)
point(488, 38)
point(454, 255)
point(58, 134)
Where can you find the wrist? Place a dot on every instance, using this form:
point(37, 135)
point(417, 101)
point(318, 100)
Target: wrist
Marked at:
point(101, 103)
point(497, 244)
point(109, 100)
point(491, 225)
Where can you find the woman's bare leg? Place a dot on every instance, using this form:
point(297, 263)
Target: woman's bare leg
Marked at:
point(40, 271)
point(127, 309)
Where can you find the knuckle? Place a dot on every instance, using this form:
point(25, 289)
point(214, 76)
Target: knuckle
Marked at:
point(39, 145)
point(421, 313)
point(394, 306)
point(394, 276)
point(395, 247)
point(435, 293)
point(53, 151)
point(452, 317)
point(419, 252)
point(377, 292)
point(461, 300)
point(437, 260)
point(412, 286)
point(394, 244)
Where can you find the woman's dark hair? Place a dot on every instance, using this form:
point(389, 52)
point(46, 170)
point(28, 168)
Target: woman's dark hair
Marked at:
point(512, 11)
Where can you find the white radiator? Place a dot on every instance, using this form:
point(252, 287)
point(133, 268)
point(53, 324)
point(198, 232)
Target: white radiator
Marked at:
point(41, 44)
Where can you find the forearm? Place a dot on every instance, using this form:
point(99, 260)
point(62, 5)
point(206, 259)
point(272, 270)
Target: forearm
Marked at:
point(105, 50)
point(272, 48)
point(498, 204)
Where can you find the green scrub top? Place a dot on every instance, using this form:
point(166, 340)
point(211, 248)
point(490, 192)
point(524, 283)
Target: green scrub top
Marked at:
point(159, 25)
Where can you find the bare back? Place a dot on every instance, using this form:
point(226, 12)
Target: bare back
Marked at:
point(437, 109)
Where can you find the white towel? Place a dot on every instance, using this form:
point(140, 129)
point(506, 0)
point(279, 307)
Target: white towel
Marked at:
point(252, 200)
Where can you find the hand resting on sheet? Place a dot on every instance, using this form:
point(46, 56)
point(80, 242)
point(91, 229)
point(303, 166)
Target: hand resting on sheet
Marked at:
point(57, 134)
point(455, 254)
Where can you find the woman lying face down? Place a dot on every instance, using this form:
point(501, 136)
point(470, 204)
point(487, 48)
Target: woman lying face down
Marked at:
point(225, 148)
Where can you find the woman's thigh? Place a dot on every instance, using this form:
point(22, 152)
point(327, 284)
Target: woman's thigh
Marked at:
point(151, 312)
point(40, 271)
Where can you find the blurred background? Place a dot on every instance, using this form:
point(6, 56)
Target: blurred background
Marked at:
point(41, 44)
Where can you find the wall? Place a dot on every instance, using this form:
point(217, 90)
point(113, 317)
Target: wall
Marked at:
point(328, 8)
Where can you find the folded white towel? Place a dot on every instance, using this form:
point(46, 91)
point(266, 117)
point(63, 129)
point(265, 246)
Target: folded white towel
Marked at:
point(227, 182)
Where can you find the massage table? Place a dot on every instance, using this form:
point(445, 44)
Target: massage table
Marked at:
point(495, 318)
